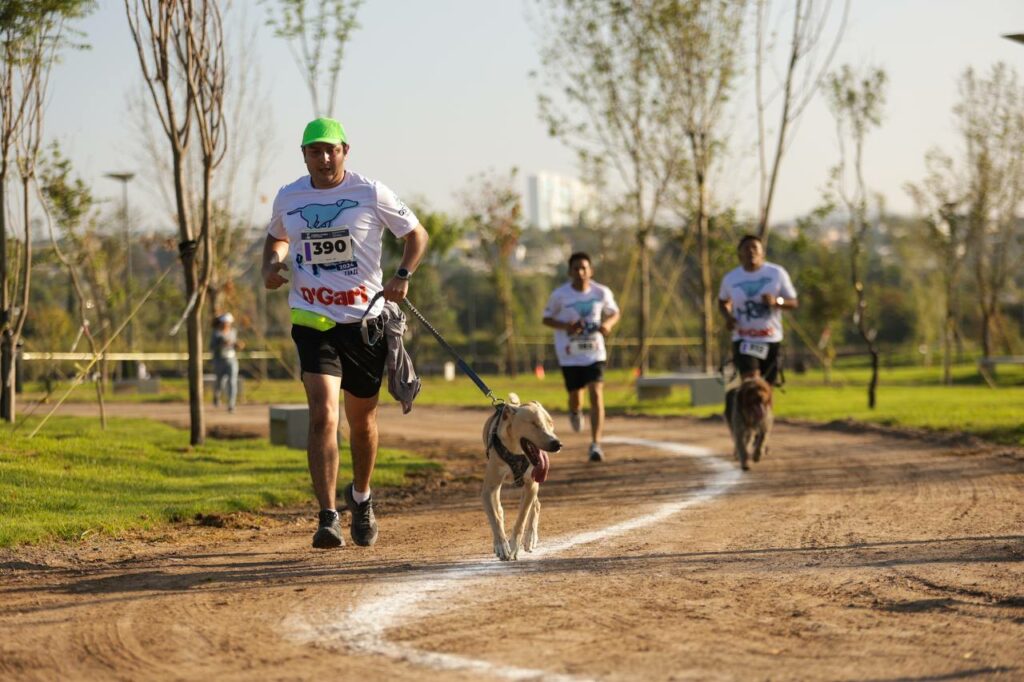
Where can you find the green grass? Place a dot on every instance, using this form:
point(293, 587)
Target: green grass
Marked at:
point(908, 397)
point(74, 479)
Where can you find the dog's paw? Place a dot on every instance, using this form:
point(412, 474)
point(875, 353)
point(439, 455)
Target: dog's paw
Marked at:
point(503, 551)
point(530, 541)
point(760, 452)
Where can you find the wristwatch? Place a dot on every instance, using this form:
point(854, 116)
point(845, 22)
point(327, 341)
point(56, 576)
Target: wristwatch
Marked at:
point(402, 273)
point(779, 301)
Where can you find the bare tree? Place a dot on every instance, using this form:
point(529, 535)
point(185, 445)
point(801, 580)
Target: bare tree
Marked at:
point(856, 101)
point(32, 36)
point(807, 56)
point(312, 31)
point(698, 55)
point(72, 202)
point(180, 49)
point(605, 100)
point(495, 211)
point(940, 198)
point(990, 115)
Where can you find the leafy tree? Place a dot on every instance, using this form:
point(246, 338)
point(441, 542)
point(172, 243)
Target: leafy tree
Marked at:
point(495, 211)
point(697, 64)
point(33, 33)
point(990, 117)
point(856, 100)
point(605, 99)
point(939, 199)
point(310, 31)
point(70, 201)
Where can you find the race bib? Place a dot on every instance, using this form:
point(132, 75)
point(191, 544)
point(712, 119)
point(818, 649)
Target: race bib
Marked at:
point(582, 345)
point(327, 247)
point(754, 350)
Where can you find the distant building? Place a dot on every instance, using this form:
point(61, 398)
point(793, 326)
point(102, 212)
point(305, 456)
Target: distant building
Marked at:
point(554, 200)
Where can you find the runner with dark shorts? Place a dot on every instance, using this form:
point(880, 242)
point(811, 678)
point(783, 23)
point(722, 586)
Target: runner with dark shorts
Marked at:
point(752, 298)
point(583, 312)
point(327, 227)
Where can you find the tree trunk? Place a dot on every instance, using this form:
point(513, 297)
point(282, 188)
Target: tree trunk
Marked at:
point(6, 342)
point(197, 431)
point(704, 248)
point(187, 247)
point(643, 361)
point(947, 334)
point(873, 385)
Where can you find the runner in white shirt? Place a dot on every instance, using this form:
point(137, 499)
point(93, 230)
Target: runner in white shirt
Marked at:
point(752, 298)
point(583, 312)
point(328, 226)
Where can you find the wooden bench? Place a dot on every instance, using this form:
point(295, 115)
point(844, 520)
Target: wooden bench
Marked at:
point(705, 389)
point(289, 426)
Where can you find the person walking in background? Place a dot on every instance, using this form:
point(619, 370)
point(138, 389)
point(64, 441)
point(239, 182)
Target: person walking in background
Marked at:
point(224, 345)
point(583, 312)
point(328, 226)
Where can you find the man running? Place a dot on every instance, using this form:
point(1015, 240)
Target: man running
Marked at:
point(583, 312)
point(752, 298)
point(328, 225)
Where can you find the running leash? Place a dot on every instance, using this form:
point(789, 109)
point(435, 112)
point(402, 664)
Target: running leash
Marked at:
point(458, 360)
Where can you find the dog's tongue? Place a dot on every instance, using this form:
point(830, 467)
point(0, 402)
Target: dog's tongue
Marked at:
point(540, 470)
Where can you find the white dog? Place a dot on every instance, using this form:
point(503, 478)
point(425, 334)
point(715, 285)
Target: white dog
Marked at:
point(517, 439)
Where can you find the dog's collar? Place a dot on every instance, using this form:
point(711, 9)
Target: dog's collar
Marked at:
point(517, 463)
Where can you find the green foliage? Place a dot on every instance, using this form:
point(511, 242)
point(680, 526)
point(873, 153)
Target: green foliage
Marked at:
point(73, 480)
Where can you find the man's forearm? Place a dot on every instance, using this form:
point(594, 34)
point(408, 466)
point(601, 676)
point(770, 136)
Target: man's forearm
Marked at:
point(414, 248)
point(274, 251)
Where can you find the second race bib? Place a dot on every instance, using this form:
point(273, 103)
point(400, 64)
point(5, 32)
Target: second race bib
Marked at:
point(580, 346)
point(753, 349)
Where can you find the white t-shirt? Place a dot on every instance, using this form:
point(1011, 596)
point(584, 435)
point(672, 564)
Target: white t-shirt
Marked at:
point(334, 238)
point(755, 320)
point(592, 306)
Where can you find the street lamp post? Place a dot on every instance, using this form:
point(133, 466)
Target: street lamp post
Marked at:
point(124, 178)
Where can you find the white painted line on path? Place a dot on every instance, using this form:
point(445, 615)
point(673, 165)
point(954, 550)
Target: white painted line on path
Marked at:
point(420, 595)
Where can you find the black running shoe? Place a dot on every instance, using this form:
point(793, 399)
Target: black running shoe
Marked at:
point(364, 525)
point(596, 453)
point(328, 535)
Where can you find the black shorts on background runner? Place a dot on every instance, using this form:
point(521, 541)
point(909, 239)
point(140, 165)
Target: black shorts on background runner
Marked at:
point(580, 376)
point(769, 367)
point(341, 352)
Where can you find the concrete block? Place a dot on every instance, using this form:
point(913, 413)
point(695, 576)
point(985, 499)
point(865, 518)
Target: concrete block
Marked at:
point(289, 426)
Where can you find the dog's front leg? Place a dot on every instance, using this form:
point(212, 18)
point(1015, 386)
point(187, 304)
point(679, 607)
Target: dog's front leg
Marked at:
point(526, 517)
point(761, 443)
point(491, 495)
point(532, 523)
point(740, 441)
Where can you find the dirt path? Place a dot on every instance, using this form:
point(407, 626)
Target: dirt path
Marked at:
point(843, 556)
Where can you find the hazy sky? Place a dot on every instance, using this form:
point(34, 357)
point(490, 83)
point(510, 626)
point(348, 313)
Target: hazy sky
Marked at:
point(435, 91)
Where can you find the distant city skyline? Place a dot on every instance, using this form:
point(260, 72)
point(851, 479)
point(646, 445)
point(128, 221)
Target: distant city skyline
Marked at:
point(434, 93)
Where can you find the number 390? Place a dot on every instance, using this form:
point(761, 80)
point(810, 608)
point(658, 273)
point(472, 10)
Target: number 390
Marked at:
point(326, 247)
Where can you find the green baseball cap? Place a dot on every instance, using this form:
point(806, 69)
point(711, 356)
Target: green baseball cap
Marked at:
point(324, 130)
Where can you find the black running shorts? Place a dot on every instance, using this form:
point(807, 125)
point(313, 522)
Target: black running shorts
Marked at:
point(341, 352)
point(769, 367)
point(582, 376)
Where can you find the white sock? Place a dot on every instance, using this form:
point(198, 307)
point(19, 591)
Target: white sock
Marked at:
point(360, 497)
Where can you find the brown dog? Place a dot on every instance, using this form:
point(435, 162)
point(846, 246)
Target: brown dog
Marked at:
point(517, 439)
point(750, 419)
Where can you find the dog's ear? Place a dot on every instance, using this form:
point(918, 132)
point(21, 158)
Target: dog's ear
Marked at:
point(513, 399)
point(508, 412)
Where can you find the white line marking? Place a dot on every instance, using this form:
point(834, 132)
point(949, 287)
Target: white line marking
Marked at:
point(363, 628)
